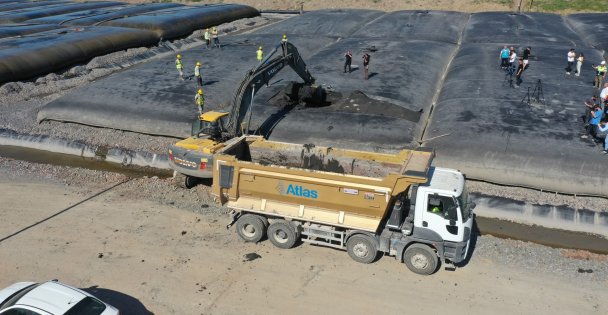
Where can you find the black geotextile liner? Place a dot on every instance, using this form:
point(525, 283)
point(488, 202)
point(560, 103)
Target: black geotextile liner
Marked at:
point(335, 23)
point(180, 22)
point(91, 17)
point(592, 27)
point(427, 25)
point(10, 30)
point(41, 53)
point(4, 7)
point(486, 129)
point(506, 28)
point(33, 13)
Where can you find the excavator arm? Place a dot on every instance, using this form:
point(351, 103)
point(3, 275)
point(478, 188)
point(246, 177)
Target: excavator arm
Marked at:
point(284, 54)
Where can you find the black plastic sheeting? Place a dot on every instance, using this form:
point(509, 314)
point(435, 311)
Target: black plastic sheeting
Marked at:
point(507, 27)
point(426, 25)
point(92, 17)
point(33, 13)
point(478, 125)
point(592, 27)
point(10, 30)
point(334, 23)
point(180, 22)
point(46, 52)
point(486, 129)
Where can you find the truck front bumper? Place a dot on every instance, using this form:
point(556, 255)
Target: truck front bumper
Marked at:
point(457, 251)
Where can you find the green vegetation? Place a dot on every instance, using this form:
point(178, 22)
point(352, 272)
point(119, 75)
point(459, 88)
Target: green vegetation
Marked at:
point(565, 5)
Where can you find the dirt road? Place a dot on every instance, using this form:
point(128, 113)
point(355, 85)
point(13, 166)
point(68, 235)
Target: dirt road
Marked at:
point(145, 257)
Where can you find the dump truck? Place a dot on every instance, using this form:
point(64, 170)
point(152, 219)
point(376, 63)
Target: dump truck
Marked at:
point(361, 202)
point(190, 157)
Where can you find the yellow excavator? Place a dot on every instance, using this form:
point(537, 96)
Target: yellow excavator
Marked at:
point(193, 157)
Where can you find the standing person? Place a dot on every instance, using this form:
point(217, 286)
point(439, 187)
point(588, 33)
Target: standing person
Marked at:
point(600, 74)
point(260, 54)
point(207, 37)
point(604, 93)
point(199, 100)
point(594, 120)
point(520, 71)
point(512, 58)
point(526, 55)
point(284, 39)
point(216, 40)
point(602, 132)
point(579, 64)
point(348, 59)
point(179, 66)
point(366, 58)
point(197, 74)
point(504, 57)
point(570, 57)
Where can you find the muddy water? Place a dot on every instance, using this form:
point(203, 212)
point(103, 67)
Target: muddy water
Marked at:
point(46, 157)
point(541, 235)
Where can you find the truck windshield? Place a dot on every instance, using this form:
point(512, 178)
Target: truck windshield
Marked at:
point(465, 205)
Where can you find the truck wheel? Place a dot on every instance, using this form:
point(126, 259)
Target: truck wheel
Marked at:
point(282, 234)
point(250, 228)
point(420, 259)
point(190, 181)
point(361, 248)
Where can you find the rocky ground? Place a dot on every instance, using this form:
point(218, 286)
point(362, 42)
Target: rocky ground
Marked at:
point(147, 246)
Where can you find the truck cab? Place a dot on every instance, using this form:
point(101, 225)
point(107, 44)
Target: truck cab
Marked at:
point(443, 213)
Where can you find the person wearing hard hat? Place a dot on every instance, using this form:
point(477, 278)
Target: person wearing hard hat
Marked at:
point(284, 39)
point(179, 66)
point(260, 54)
point(207, 37)
point(600, 74)
point(199, 99)
point(216, 41)
point(197, 74)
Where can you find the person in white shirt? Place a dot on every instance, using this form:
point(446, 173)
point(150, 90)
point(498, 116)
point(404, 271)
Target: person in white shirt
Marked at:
point(570, 57)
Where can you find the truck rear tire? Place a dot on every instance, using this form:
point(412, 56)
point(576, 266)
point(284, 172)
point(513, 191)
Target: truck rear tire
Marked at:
point(420, 259)
point(362, 248)
point(282, 234)
point(250, 228)
point(190, 181)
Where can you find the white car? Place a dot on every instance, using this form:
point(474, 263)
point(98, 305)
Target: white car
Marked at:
point(50, 298)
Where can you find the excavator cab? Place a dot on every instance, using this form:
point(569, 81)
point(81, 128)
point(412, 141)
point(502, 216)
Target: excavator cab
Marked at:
point(210, 124)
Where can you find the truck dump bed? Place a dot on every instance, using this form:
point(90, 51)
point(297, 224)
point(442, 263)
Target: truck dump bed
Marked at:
point(347, 188)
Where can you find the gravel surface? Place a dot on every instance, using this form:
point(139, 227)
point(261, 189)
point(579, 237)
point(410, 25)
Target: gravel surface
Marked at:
point(563, 263)
point(539, 197)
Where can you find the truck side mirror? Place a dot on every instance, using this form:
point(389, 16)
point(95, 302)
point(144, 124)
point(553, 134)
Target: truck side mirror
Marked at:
point(473, 205)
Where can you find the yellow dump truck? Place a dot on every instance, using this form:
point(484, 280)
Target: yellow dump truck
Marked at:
point(363, 202)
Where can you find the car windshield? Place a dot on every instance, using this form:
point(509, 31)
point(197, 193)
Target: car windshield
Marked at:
point(465, 206)
point(17, 296)
point(87, 306)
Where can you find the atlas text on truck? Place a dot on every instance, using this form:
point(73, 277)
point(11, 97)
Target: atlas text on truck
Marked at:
point(363, 202)
point(192, 156)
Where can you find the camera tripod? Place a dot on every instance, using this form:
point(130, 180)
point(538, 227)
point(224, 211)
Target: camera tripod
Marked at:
point(537, 96)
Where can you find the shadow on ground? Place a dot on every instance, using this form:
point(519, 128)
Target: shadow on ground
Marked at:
point(123, 302)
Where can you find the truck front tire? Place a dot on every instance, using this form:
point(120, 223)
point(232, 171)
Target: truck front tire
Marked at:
point(420, 259)
point(250, 228)
point(282, 234)
point(362, 248)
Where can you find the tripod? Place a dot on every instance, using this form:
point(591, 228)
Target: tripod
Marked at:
point(537, 95)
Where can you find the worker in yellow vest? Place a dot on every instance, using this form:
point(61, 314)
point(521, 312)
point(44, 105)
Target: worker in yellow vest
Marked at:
point(197, 74)
point(216, 41)
point(260, 54)
point(179, 66)
point(600, 74)
point(199, 99)
point(207, 38)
